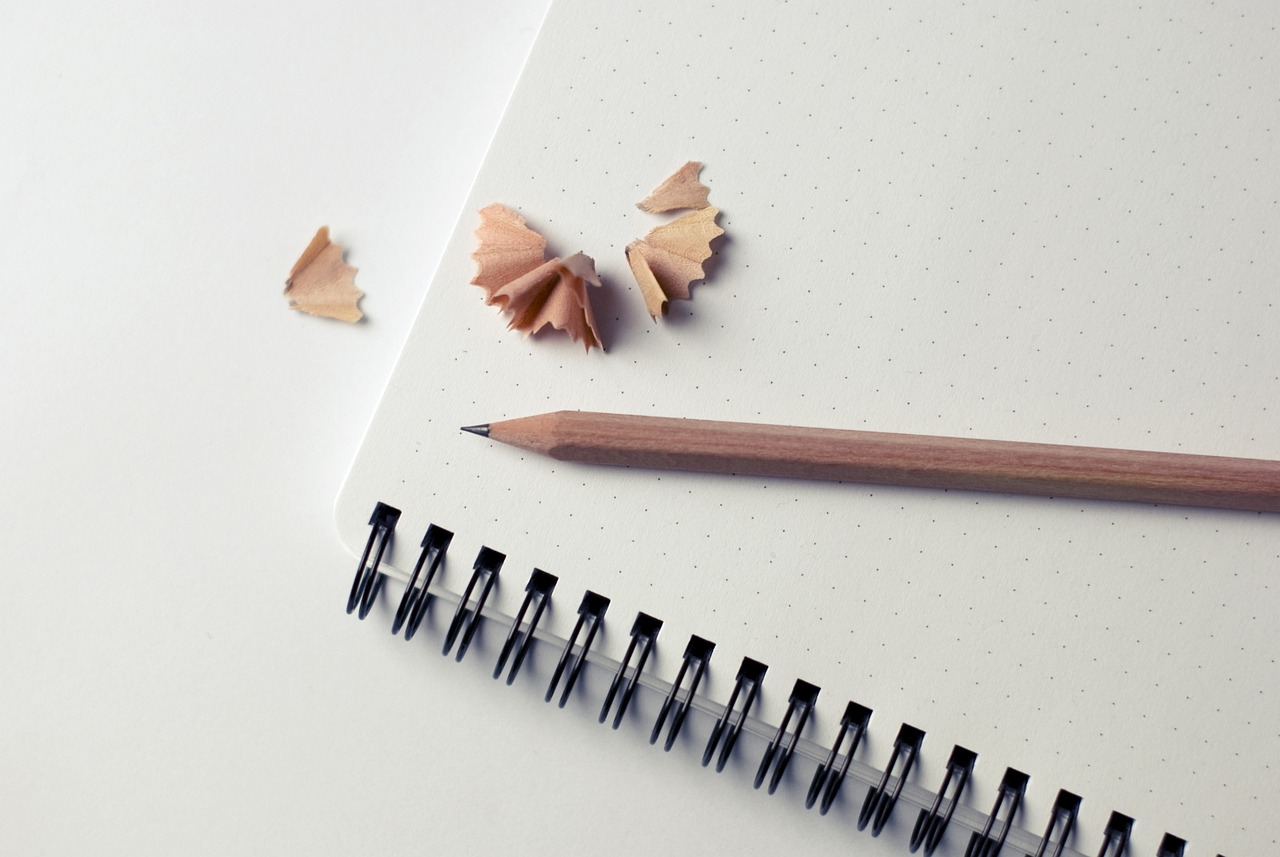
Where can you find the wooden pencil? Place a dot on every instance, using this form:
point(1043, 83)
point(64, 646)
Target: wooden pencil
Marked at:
point(895, 459)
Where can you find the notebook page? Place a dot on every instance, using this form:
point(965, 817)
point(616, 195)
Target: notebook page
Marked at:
point(1051, 222)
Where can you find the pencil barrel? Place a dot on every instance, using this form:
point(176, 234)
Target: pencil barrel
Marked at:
point(900, 459)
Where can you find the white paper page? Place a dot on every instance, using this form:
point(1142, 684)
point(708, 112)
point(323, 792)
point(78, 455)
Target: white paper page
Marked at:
point(1051, 222)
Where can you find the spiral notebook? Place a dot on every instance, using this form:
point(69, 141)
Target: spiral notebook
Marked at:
point(1049, 222)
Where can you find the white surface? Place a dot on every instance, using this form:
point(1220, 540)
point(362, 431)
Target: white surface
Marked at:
point(1049, 223)
point(176, 670)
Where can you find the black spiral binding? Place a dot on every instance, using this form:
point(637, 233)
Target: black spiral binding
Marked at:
point(417, 595)
point(827, 780)
point(697, 654)
point(1115, 838)
point(882, 797)
point(537, 595)
point(990, 832)
point(932, 822)
point(590, 615)
point(364, 589)
point(729, 726)
point(1061, 820)
point(988, 843)
point(466, 619)
point(644, 633)
point(804, 697)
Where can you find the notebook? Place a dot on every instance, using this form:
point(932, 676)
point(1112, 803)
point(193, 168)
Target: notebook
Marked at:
point(1050, 222)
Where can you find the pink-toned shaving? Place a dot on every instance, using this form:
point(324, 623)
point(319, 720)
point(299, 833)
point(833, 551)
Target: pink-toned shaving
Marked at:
point(321, 283)
point(680, 190)
point(670, 257)
point(537, 294)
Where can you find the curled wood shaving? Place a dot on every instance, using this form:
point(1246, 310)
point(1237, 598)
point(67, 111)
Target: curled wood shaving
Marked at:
point(670, 257)
point(536, 293)
point(507, 248)
point(680, 190)
point(321, 283)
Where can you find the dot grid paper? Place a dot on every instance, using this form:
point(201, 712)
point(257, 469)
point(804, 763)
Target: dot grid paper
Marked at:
point(1049, 222)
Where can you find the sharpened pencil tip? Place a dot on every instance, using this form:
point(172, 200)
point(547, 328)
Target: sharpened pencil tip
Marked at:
point(482, 430)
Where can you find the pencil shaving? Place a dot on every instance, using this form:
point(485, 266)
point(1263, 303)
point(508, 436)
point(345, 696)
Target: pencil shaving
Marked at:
point(670, 257)
point(507, 247)
point(680, 190)
point(321, 283)
point(536, 293)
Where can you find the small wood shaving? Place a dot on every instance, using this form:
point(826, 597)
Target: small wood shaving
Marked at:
point(670, 257)
point(507, 247)
point(537, 294)
point(321, 283)
point(680, 190)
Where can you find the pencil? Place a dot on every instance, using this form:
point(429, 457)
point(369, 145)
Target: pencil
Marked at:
point(895, 459)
